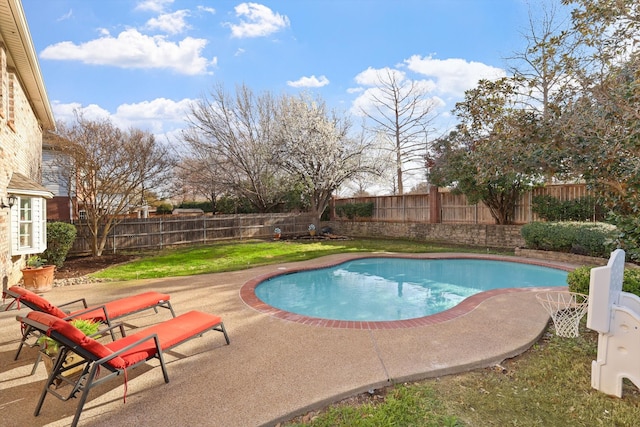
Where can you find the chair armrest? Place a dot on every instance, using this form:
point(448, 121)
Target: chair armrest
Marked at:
point(84, 302)
point(89, 310)
point(153, 337)
point(102, 332)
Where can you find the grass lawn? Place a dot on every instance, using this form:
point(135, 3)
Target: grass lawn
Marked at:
point(236, 255)
point(548, 385)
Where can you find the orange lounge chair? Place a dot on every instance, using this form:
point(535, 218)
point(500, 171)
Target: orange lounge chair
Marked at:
point(105, 313)
point(113, 358)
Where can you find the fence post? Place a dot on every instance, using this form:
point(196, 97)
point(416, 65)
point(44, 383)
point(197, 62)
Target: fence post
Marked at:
point(434, 205)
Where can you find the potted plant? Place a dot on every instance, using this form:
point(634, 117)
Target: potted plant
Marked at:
point(50, 347)
point(37, 276)
point(277, 233)
point(312, 230)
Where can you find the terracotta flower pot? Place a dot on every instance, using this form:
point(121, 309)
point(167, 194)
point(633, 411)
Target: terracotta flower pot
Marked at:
point(39, 279)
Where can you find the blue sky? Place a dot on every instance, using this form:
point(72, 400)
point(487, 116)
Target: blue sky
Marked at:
point(142, 62)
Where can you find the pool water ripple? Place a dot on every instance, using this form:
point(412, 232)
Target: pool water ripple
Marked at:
point(387, 289)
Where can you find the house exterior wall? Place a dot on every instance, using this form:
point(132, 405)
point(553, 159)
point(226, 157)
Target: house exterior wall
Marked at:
point(60, 208)
point(20, 151)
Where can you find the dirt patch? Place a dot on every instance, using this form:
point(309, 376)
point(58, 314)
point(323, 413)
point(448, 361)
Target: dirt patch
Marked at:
point(81, 266)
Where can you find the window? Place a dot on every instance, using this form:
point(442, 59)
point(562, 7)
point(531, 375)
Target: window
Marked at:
point(28, 225)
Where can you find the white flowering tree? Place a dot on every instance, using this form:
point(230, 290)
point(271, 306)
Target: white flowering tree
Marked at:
point(315, 147)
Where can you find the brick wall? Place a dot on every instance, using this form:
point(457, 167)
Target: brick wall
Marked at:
point(483, 235)
point(20, 151)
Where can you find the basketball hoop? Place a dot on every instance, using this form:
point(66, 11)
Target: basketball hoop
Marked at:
point(566, 309)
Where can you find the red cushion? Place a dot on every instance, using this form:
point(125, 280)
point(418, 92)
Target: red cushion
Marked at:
point(36, 302)
point(75, 335)
point(171, 332)
point(123, 306)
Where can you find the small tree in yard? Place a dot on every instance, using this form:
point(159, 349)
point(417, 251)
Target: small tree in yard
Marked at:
point(314, 146)
point(108, 170)
point(60, 238)
point(494, 155)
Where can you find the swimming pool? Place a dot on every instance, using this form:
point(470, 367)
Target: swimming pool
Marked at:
point(391, 289)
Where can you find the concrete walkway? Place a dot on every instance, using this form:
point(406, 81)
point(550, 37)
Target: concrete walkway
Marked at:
point(273, 369)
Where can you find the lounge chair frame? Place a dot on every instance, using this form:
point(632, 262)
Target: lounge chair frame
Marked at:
point(94, 364)
point(38, 303)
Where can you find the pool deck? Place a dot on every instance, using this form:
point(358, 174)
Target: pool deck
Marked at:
point(275, 368)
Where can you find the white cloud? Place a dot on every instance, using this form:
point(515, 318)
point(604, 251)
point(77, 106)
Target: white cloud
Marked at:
point(369, 90)
point(257, 20)
point(453, 76)
point(131, 49)
point(371, 76)
point(207, 9)
point(68, 112)
point(160, 116)
point(312, 81)
point(171, 23)
point(157, 6)
point(66, 16)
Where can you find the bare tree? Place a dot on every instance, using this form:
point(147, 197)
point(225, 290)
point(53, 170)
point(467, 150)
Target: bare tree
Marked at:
point(109, 170)
point(402, 112)
point(235, 130)
point(543, 62)
point(200, 175)
point(313, 145)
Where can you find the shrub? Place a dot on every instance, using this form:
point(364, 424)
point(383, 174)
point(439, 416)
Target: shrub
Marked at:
point(579, 280)
point(629, 234)
point(550, 208)
point(355, 210)
point(205, 206)
point(164, 209)
point(583, 238)
point(60, 238)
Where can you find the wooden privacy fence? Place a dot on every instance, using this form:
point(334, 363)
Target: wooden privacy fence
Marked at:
point(453, 208)
point(160, 232)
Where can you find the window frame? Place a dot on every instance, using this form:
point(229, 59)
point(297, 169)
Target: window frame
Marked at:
point(38, 224)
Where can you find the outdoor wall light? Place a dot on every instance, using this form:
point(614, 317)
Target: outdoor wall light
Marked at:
point(11, 200)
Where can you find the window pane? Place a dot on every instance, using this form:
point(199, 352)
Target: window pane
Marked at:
point(25, 209)
point(25, 223)
point(25, 234)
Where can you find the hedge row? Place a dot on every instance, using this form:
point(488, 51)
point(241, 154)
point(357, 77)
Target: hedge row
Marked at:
point(355, 210)
point(596, 239)
point(579, 279)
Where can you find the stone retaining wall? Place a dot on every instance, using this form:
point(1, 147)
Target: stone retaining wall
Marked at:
point(483, 235)
point(561, 257)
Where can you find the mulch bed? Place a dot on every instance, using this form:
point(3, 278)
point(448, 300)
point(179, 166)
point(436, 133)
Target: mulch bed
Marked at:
point(81, 266)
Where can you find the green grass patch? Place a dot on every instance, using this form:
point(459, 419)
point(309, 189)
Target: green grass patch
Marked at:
point(221, 257)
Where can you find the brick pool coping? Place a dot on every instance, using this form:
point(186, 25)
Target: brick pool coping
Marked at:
point(248, 295)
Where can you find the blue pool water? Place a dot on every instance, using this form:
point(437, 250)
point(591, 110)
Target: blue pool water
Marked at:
point(382, 289)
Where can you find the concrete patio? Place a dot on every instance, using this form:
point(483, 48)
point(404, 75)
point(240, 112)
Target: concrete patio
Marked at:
point(273, 369)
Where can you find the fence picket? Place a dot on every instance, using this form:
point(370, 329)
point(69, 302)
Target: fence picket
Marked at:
point(162, 231)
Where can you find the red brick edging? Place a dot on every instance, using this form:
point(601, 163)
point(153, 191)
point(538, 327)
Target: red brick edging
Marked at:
point(248, 295)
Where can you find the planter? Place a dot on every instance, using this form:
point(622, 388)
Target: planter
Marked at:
point(312, 233)
point(71, 359)
point(39, 279)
